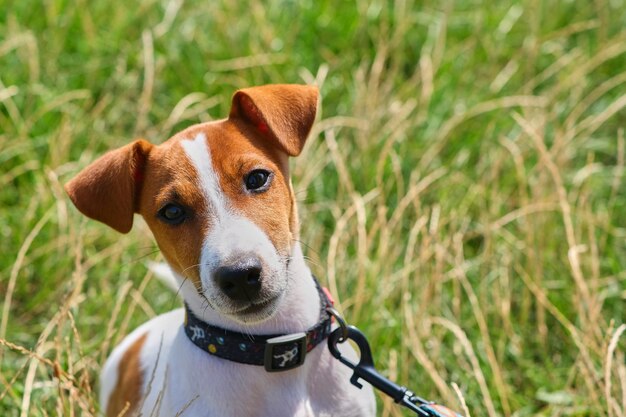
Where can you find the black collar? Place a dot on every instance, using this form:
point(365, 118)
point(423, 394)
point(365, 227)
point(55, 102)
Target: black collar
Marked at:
point(277, 352)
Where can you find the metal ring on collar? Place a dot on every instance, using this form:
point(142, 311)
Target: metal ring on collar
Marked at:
point(341, 322)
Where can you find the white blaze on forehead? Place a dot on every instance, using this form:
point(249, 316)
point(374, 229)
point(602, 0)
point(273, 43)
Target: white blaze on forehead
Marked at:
point(200, 155)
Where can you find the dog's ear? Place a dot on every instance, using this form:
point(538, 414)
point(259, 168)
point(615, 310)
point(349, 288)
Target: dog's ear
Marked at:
point(107, 190)
point(282, 112)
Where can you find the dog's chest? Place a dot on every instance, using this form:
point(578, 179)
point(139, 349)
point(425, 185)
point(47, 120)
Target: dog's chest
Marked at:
point(227, 388)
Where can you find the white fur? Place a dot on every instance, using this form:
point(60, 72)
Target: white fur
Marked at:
point(197, 151)
point(178, 376)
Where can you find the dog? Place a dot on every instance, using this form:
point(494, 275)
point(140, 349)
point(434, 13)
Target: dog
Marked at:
point(217, 196)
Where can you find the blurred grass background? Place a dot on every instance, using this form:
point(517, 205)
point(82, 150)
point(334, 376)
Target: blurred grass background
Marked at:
point(462, 193)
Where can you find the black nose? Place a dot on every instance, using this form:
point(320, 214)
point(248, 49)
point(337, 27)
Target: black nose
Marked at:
point(241, 281)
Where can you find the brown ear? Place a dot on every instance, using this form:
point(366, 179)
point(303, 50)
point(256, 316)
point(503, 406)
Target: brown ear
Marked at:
point(283, 112)
point(107, 189)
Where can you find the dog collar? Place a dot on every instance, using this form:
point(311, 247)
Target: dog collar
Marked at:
point(277, 352)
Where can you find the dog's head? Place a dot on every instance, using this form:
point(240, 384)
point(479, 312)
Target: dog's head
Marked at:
point(217, 197)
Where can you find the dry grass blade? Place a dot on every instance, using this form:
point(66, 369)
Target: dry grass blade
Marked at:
point(612, 404)
point(461, 337)
point(6, 307)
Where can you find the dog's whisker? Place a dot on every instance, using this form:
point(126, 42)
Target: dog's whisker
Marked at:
point(310, 248)
point(190, 267)
point(180, 287)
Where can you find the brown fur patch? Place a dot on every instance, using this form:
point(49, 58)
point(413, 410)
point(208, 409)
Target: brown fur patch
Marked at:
point(127, 392)
point(282, 113)
point(107, 189)
point(171, 178)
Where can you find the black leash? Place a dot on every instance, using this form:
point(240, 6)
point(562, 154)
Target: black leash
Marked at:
point(366, 371)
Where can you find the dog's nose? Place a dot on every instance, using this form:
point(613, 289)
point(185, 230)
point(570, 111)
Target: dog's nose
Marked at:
point(241, 281)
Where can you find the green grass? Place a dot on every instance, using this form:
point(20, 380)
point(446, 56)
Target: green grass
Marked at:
point(463, 190)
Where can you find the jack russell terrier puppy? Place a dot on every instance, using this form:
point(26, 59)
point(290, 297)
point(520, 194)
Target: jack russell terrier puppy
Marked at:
point(251, 340)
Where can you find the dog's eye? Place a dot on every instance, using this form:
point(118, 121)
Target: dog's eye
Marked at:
point(258, 180)
point(172, 214)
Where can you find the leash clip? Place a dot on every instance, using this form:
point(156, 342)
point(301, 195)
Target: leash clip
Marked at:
point(343, 326)
point(366, 371)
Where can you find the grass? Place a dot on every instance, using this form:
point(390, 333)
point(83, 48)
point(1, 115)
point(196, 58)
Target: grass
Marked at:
point(463, 189)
